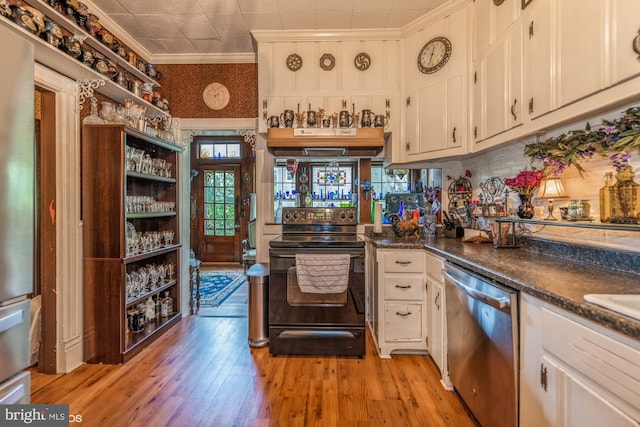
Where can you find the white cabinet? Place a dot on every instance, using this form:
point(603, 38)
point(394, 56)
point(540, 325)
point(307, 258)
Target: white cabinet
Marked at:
point(626, 63)
point(574, 372)
point(539, 70)
point(437, 344)
point(498, 87)
point(401, 308)
point(491, 21)
point(435, 112)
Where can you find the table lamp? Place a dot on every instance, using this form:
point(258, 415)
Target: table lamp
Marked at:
point(550, 189)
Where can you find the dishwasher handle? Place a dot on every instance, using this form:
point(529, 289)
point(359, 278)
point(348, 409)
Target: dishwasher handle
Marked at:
point(502, 304)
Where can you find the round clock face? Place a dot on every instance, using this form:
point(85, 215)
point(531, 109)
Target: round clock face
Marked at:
point(434, 55)
point(216, 96)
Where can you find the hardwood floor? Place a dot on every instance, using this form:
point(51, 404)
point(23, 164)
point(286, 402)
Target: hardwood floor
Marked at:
point(203, 373)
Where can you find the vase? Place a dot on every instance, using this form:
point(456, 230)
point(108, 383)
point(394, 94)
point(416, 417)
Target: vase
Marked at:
point(625, 198)
point(525, 210)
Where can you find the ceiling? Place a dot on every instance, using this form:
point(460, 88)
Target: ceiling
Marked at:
point(174, 28)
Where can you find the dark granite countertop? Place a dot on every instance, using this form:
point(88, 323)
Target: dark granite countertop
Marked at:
point(562, 282)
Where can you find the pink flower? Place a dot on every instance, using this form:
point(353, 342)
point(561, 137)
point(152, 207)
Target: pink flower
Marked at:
point(525, 182)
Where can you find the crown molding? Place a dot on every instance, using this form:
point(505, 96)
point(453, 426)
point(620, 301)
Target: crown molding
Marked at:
point(436, 14)
point(205, 58)
point(263, 36)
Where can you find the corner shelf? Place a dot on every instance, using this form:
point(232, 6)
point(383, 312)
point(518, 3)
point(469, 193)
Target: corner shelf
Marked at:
point(574, 224)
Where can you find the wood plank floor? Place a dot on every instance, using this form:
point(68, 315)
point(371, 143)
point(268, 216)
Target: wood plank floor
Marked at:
point(203, 373)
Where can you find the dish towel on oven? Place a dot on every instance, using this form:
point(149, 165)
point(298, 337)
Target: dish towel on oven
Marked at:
point(323, 273)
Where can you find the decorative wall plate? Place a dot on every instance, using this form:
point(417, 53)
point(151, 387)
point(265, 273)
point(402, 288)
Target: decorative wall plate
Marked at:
point(216, 96)
point(327, 62)
point(294, 62)
point(362, 61)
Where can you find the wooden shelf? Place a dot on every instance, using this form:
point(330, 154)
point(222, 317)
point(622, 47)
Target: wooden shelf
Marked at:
point(150, 177)
point(59, 61)
point(107, 337)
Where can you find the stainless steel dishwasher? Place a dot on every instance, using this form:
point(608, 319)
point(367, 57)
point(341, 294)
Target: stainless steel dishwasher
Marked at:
point(482, 339)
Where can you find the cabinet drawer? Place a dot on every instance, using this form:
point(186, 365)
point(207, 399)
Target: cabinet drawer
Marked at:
point(403, 322)
point(404, 262)
point(404, 286)
point(604, 360)
point(434, 267)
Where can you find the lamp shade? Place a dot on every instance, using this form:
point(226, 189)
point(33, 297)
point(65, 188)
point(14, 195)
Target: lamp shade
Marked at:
point(551, 188)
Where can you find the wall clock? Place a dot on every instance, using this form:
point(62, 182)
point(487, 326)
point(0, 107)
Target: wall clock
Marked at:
point(434, 55)
point(216, 96)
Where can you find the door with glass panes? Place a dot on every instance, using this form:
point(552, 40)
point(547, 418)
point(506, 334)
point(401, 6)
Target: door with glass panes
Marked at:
point(219, 225)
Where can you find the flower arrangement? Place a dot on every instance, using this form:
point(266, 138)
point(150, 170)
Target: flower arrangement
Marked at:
point(526, 182)
point(431, 193)
point(620, 136)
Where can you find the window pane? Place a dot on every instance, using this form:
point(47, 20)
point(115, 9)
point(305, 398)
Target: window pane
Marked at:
point(220, 210)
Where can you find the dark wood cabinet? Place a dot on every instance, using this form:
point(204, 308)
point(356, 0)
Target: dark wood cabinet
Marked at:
point(131, 241)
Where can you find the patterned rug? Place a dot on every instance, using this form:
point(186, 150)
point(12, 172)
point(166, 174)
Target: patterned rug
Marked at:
point(216, 286)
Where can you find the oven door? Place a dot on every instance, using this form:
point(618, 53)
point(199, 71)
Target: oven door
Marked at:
point(315, 324)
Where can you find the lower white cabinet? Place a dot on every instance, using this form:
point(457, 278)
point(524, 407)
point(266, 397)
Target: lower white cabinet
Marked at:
point(574, 372)
point(437, 342)
point(401, 307)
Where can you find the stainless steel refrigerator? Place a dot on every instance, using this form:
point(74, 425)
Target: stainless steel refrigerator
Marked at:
point(17, 222)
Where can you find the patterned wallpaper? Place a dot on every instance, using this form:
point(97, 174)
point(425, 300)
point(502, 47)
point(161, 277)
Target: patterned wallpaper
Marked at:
point(183, 84)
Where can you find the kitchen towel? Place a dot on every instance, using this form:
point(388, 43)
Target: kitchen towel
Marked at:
point(377, 218)
point(323, 273)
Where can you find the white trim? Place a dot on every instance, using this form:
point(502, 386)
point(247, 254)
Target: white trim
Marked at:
point(204, 58)
point(69, 302)
point(263, 36)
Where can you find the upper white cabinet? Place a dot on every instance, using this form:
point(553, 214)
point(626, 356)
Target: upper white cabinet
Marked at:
point(566, 58)
point(497, 86)
point(342, 71)
point(435, 112)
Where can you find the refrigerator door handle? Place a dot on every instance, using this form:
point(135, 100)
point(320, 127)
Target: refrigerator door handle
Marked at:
point(11, 320)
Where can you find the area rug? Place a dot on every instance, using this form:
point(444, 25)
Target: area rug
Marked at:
point(216, 286)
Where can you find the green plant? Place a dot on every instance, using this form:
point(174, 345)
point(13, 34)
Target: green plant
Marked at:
point(618, 136)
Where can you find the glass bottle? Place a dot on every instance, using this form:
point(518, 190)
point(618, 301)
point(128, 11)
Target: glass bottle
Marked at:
point(150, 309)
point(605, 197)
point(625, 198)
point(277, 217)
point(167, 305)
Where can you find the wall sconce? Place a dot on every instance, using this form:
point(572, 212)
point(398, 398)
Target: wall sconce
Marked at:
point(550, 189)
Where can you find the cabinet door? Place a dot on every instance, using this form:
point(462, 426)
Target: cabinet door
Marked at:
point(625, 27)
point(502, 85)
point(436, 336)
point(584, 406)
point(581, 43)
point(433, 117)
point(539, 51)
point(412, 123)
point(403, 322)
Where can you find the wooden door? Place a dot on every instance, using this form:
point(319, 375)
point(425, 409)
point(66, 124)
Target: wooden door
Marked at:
point(218, 196)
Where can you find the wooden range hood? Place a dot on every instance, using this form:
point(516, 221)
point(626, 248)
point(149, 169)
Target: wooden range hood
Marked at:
point(325, 142)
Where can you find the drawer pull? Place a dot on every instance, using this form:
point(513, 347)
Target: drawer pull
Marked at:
point(437, 300)
point(403, 286)
point(408, 313)
point(403, 262)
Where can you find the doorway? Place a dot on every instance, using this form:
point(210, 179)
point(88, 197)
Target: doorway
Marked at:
point(221, 181)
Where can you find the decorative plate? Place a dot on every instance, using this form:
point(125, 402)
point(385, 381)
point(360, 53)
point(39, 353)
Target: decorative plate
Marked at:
point(327, 62)
point(216, 96)
point(362, 61)
point(294, 62)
